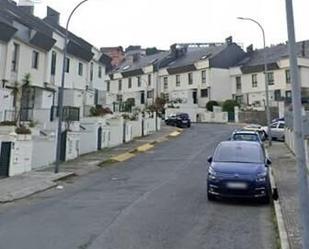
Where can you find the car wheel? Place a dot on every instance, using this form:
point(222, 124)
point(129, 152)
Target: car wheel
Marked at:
point(265, 200)
point(189, 125)
point(211, 197)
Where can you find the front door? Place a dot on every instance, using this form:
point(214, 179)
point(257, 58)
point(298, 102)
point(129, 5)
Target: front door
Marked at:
point(5, 158)
point(99, 138)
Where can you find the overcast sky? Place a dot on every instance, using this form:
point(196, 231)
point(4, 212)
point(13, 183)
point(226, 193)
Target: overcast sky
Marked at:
point(163, 22)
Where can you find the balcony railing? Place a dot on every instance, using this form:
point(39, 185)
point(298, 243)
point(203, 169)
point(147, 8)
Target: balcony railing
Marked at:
point(70, 113)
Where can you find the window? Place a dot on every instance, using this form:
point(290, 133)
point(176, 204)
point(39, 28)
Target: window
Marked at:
point(165, 82)
point(281, 126)
point(53, 63)
point(67, 65)
point(108, 86)
point(80, 69)
point(238, 83)
point(91, 71)
point(119, 85)
point(203, 76)
point(119, 97)
point(150, 94)
point(139, 82)
point(190, 79)
point(15, 57)
point(274, 125)
point(177, 80)
point(204, 93)
point(100, 72)
point(254, 80)
point(270, 78)
point(277, 95)
point(35, 59)
point(149, 79)
point(287, 76)
point(129, 82)
point(288, 94)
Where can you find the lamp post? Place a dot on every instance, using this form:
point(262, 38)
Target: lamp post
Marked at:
point(265, 75)
point(60, 94)
point(298, 127)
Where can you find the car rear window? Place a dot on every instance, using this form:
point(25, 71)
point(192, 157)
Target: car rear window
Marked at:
point(246, 137)
point(242, 153)
point(183, 116)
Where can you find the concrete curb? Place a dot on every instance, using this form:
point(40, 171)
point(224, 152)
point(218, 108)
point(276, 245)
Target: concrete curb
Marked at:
point(142, 148)
point(283, 235)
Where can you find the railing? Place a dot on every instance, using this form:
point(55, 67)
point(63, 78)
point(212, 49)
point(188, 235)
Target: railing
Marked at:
point(70, 113)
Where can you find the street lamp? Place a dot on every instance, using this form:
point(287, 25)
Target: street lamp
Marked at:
point(60, 95)
point(265, 75)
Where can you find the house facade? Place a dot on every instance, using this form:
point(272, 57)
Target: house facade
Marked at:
point(31, 66)
point(199, 73)
point(248, 79)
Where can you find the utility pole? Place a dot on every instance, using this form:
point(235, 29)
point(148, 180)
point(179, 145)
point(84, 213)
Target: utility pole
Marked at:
point(61, 88)
point(298, 129)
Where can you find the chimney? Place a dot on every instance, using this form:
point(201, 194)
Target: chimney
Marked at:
point(52, 15)
point(26, 6)
point(249, 49)
point(27, 9)
point(229, 40)
point(303, 49)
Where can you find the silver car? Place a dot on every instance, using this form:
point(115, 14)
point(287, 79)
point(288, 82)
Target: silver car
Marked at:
point(277, 130)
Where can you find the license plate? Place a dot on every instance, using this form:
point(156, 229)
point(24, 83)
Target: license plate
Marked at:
point(236, 185)
point(185, 121)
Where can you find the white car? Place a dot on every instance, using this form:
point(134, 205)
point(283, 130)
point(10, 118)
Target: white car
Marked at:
point(277, 130)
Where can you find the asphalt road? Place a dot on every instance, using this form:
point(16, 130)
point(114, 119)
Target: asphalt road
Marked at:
point(156, 200)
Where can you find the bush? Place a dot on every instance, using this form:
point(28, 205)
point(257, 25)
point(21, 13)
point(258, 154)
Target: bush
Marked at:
point(100, 111)
point(23, 130)
point(228, 105)
point(210, 105)
point(8, 123)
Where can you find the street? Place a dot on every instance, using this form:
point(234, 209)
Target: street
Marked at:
point(156, 200)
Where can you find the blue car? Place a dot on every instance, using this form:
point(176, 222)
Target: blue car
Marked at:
point(239, 169)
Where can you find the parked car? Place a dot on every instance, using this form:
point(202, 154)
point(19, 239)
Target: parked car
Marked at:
point(239, 169)
point(243, 135)
point(257, 128)
point(179, 120)
point(277, 130)
point(277, 119)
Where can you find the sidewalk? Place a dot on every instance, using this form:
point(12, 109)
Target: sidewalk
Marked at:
point(22, 186)
point(285, 174)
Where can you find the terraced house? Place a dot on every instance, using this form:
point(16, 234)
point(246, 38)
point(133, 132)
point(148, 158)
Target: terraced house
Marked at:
point(200, 72)
point(31, 64)
point(248, 80)
point(135, 81)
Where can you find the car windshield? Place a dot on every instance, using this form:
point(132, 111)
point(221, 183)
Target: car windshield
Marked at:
point(244, 153)
point(245, 137)
point(183, 116)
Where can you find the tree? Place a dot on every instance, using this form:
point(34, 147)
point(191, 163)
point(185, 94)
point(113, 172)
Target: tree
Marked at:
point(17, 92)
point(228, 105)
point(210, 105)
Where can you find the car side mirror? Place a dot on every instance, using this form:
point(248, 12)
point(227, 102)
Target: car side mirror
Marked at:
point(209, 159)
point(268, 162)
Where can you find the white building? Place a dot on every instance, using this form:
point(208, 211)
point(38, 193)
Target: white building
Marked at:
point(248, 81)
point(34, 47)
point(200, 73)
point(135, 80)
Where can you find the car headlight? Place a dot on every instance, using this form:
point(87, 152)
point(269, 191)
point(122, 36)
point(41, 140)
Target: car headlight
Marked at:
point(211, 174)
point(261, 177)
